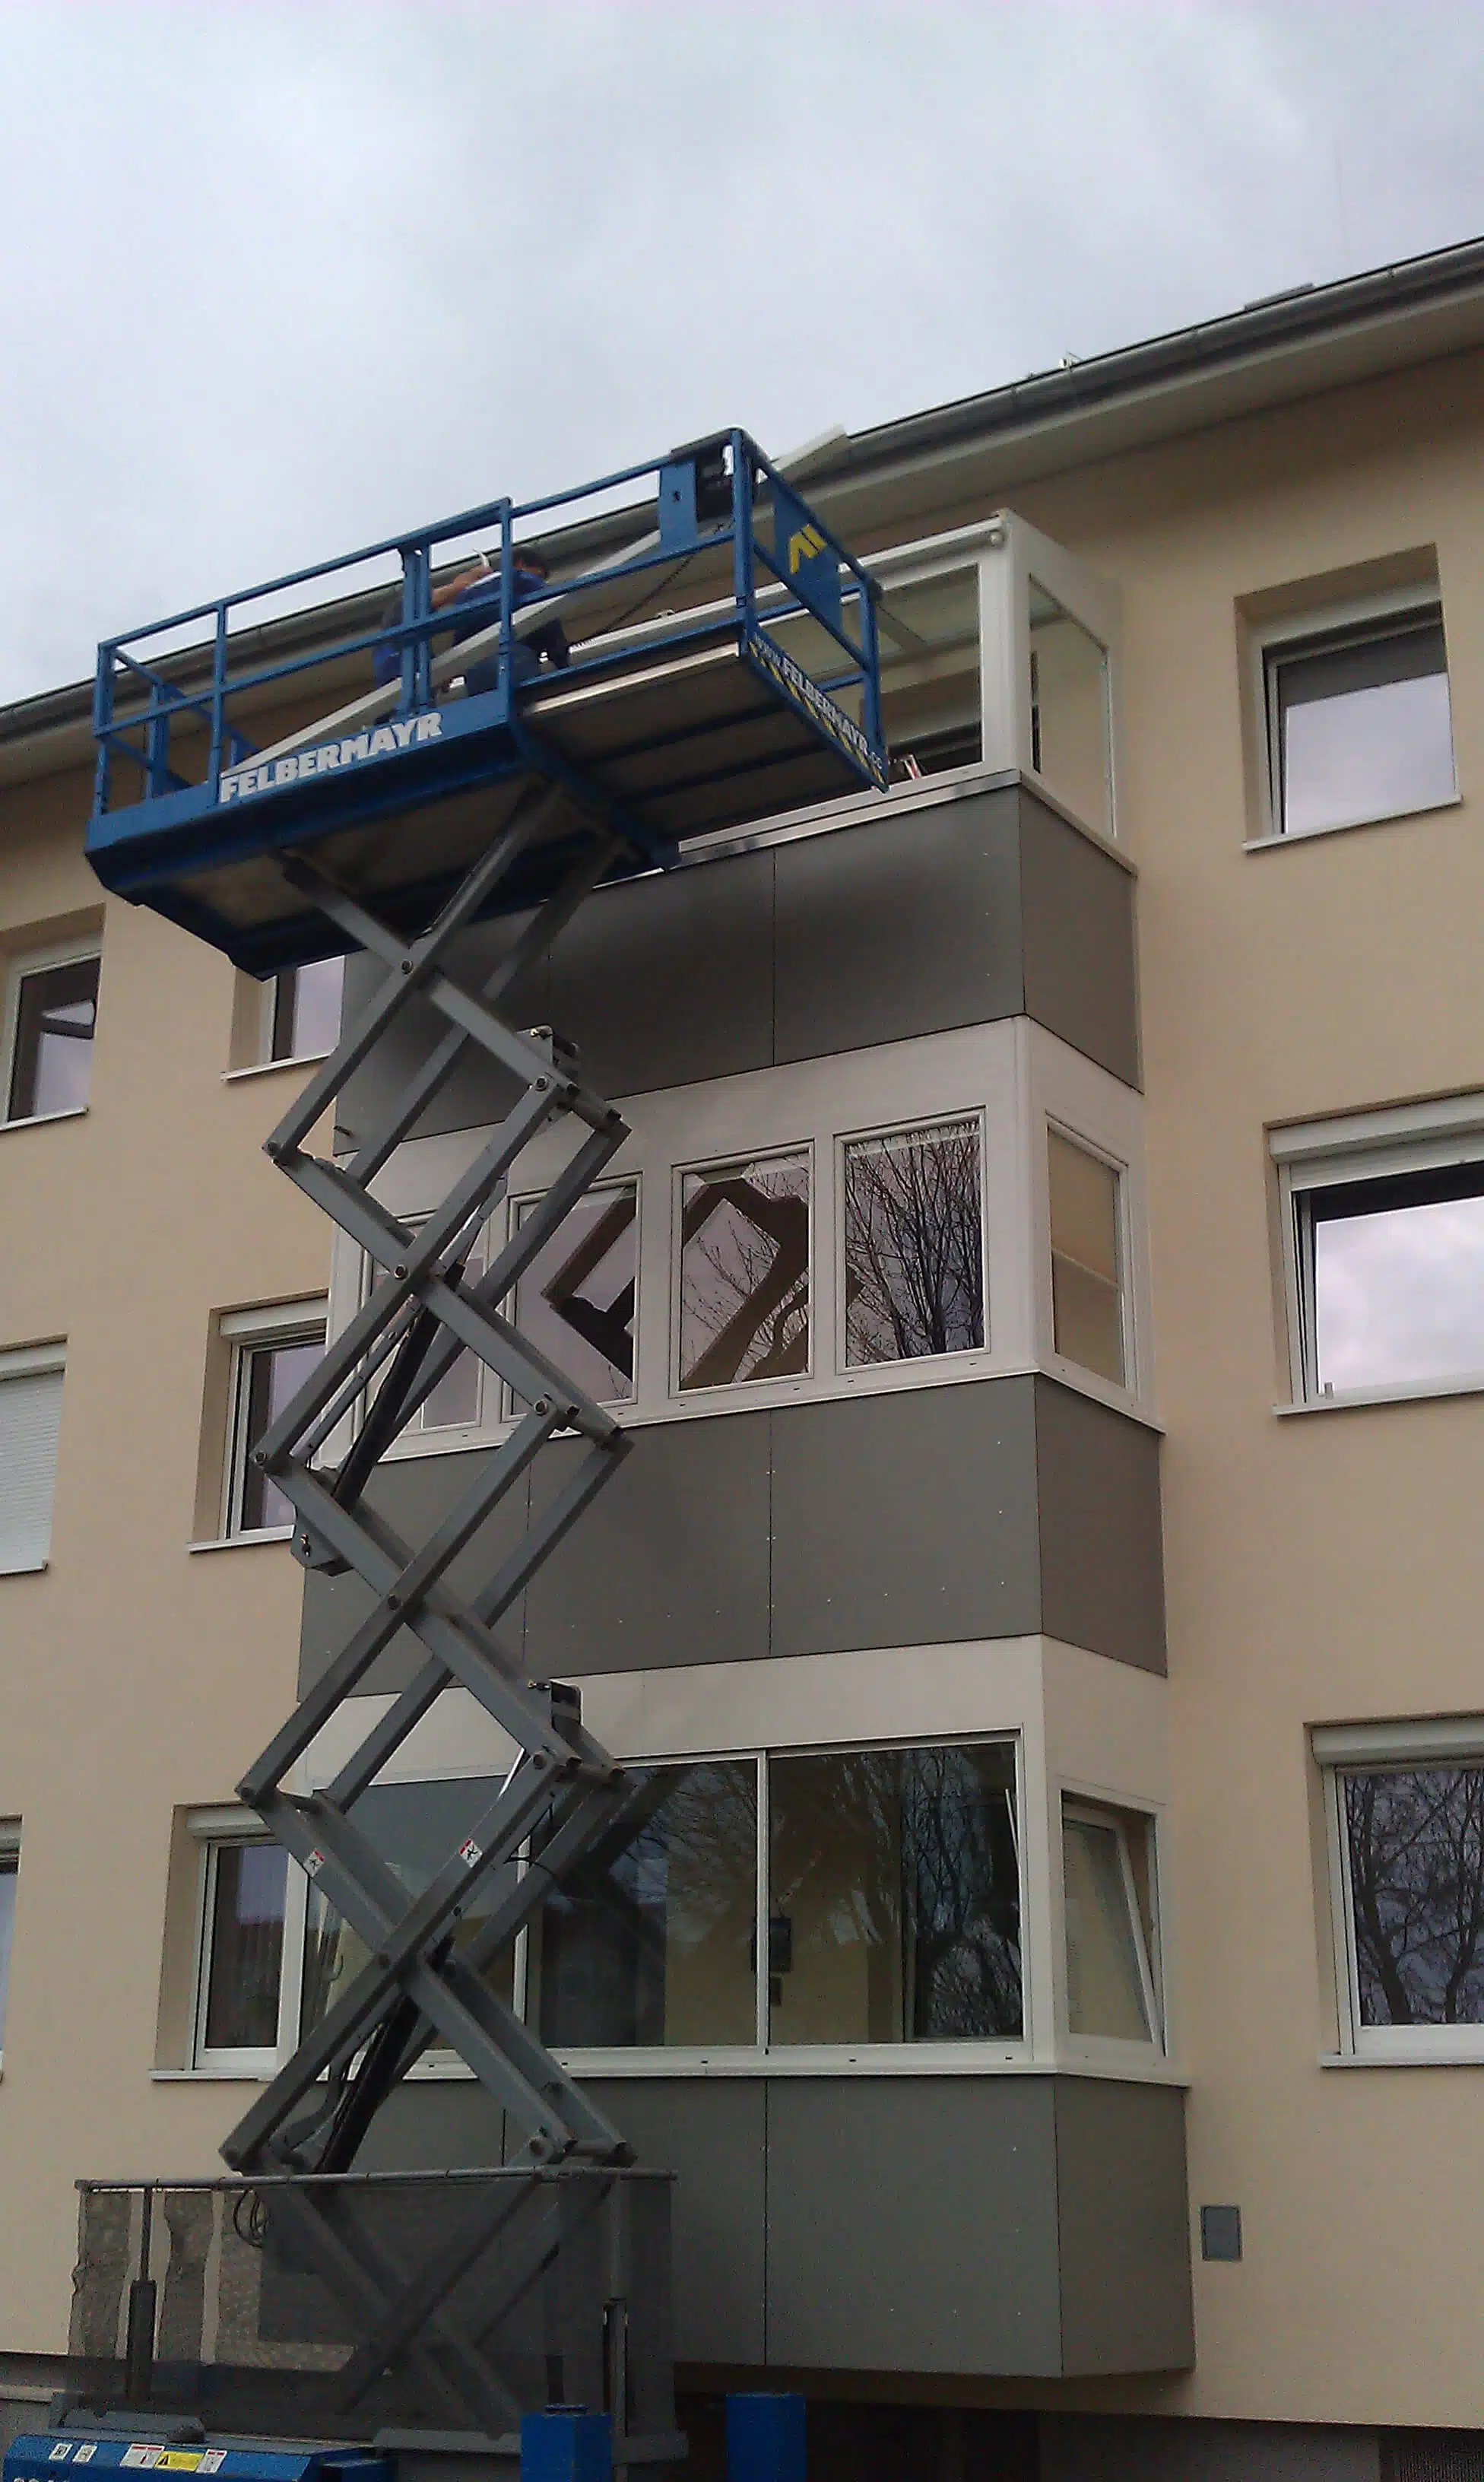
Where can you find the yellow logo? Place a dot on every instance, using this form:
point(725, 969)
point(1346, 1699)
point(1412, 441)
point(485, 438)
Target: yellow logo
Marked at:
point(806, 545)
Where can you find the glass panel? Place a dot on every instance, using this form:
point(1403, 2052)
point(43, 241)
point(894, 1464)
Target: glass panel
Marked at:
point(54, 1021)
point(651, 1939)
point(455, 1403)
point(1069, 711)
point(1104, 1985)
point(415, 1828)
point(576, 1300)
point(914, 1244)
point(8, 1870)
point(306, 1009)
point(1416, 1844)
point(928, 638)
point(745, 1272)
point(1087, 1271)
point(894, 1912)
point(245, 1950)
point(1365, 730)
point(274, 1375)
point(1399, 1291)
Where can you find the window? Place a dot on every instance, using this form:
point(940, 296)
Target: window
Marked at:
point(1109, 1917)
point(577, 1300)
point(745, 1272)
point(1087, 1252)
point(1406, 1807)
point(273, 1956)
point(304, 1007)
point(52, 1007)
point(1383, 1217)
point(1071, 717)
point(30, 1422)
point(9, 1866)
point(1359, 723)
point(914, 1244)
point(273, 1354)
point(894, 1896)
point(245, 1901)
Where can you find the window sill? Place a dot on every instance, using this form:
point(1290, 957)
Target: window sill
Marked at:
point(1354, 1399)
point(212, 2077)
point(1408, 2059)
point(25, 1568)
point(272, 1068)
point(244, 1542)
point(45, 1119)
point(1344, 827)
point(873, 2060)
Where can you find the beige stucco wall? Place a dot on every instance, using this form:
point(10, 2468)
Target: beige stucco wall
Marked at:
point(1319, 1569)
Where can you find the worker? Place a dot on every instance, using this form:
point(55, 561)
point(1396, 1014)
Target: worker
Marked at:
point(477, 590)
point(480, 602)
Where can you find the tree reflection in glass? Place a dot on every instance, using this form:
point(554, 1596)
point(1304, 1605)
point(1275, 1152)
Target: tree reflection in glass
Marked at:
point(650, 1940)
point(895, 1897)
point(1415, 1839)
point(745, 1272)
point(414, 1827)
point(914, 1244)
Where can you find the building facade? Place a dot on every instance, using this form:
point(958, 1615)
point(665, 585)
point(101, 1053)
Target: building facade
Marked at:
point(1043, 1276)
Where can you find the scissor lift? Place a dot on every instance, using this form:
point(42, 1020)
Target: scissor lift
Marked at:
point(387, 820)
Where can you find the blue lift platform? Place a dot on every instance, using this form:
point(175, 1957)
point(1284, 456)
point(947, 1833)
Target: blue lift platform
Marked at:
point(257, 745)
point(270, 795)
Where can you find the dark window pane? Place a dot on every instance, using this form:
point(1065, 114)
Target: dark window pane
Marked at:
point(8, 1870)
point(650, 1941)
point(745, 1272)
point(913, 1244)
point(272, 1376)
point(1365, 728)
point(894, 1896)
point(306, 1010)
point(54, 1021)
point(1399, 1281)
point(415, 1828)
point(1417, 1885)
point(576, 1300)
point(245, 1950)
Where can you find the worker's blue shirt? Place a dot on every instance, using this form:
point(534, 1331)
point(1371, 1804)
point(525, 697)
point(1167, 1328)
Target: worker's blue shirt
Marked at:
point(478, 608)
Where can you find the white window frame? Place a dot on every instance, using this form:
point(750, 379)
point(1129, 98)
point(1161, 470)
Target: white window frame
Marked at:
point(1062, 1363)
point(267, 1011)
point(18, 969)
point(1010, 1075)
point(509, 1224)
point(1368, 615)
point(213, 1830)
point(1336, 1154)
point(737, 1393)
point(34, 1362)
point(1386, 1749)
point(243, 1331)
point(1094, 1810)
point(927, 1127)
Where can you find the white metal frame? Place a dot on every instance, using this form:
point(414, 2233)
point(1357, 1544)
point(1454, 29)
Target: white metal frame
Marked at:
point(245, 1333)
point(18, 969)
point(268, 1006)
point(935, 1125)
point(1386, 1749)
point(781, 1151)
point(1334, 1153)
point(1010, 1076)
point(601, 1189)
point(1367, 616)
point(1112, 2050)
point(214, 1830)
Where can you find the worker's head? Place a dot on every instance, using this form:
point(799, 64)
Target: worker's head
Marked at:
point(528, 556)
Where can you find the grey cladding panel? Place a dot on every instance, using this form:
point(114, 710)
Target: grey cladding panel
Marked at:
point(477, 1091)
point(1101, 1550)
point(905, 1520)
point(664, 985)
point(1125, 2228)
point(669, 1564)
point(899, 926)
point(912, 2225)
point(413, 1495)
point(713, 2132)
point(1078, 925)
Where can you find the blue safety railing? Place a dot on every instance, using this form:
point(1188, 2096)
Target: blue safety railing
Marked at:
point(717, 495)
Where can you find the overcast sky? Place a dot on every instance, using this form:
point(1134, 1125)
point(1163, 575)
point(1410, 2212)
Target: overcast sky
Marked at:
point(280, 279)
